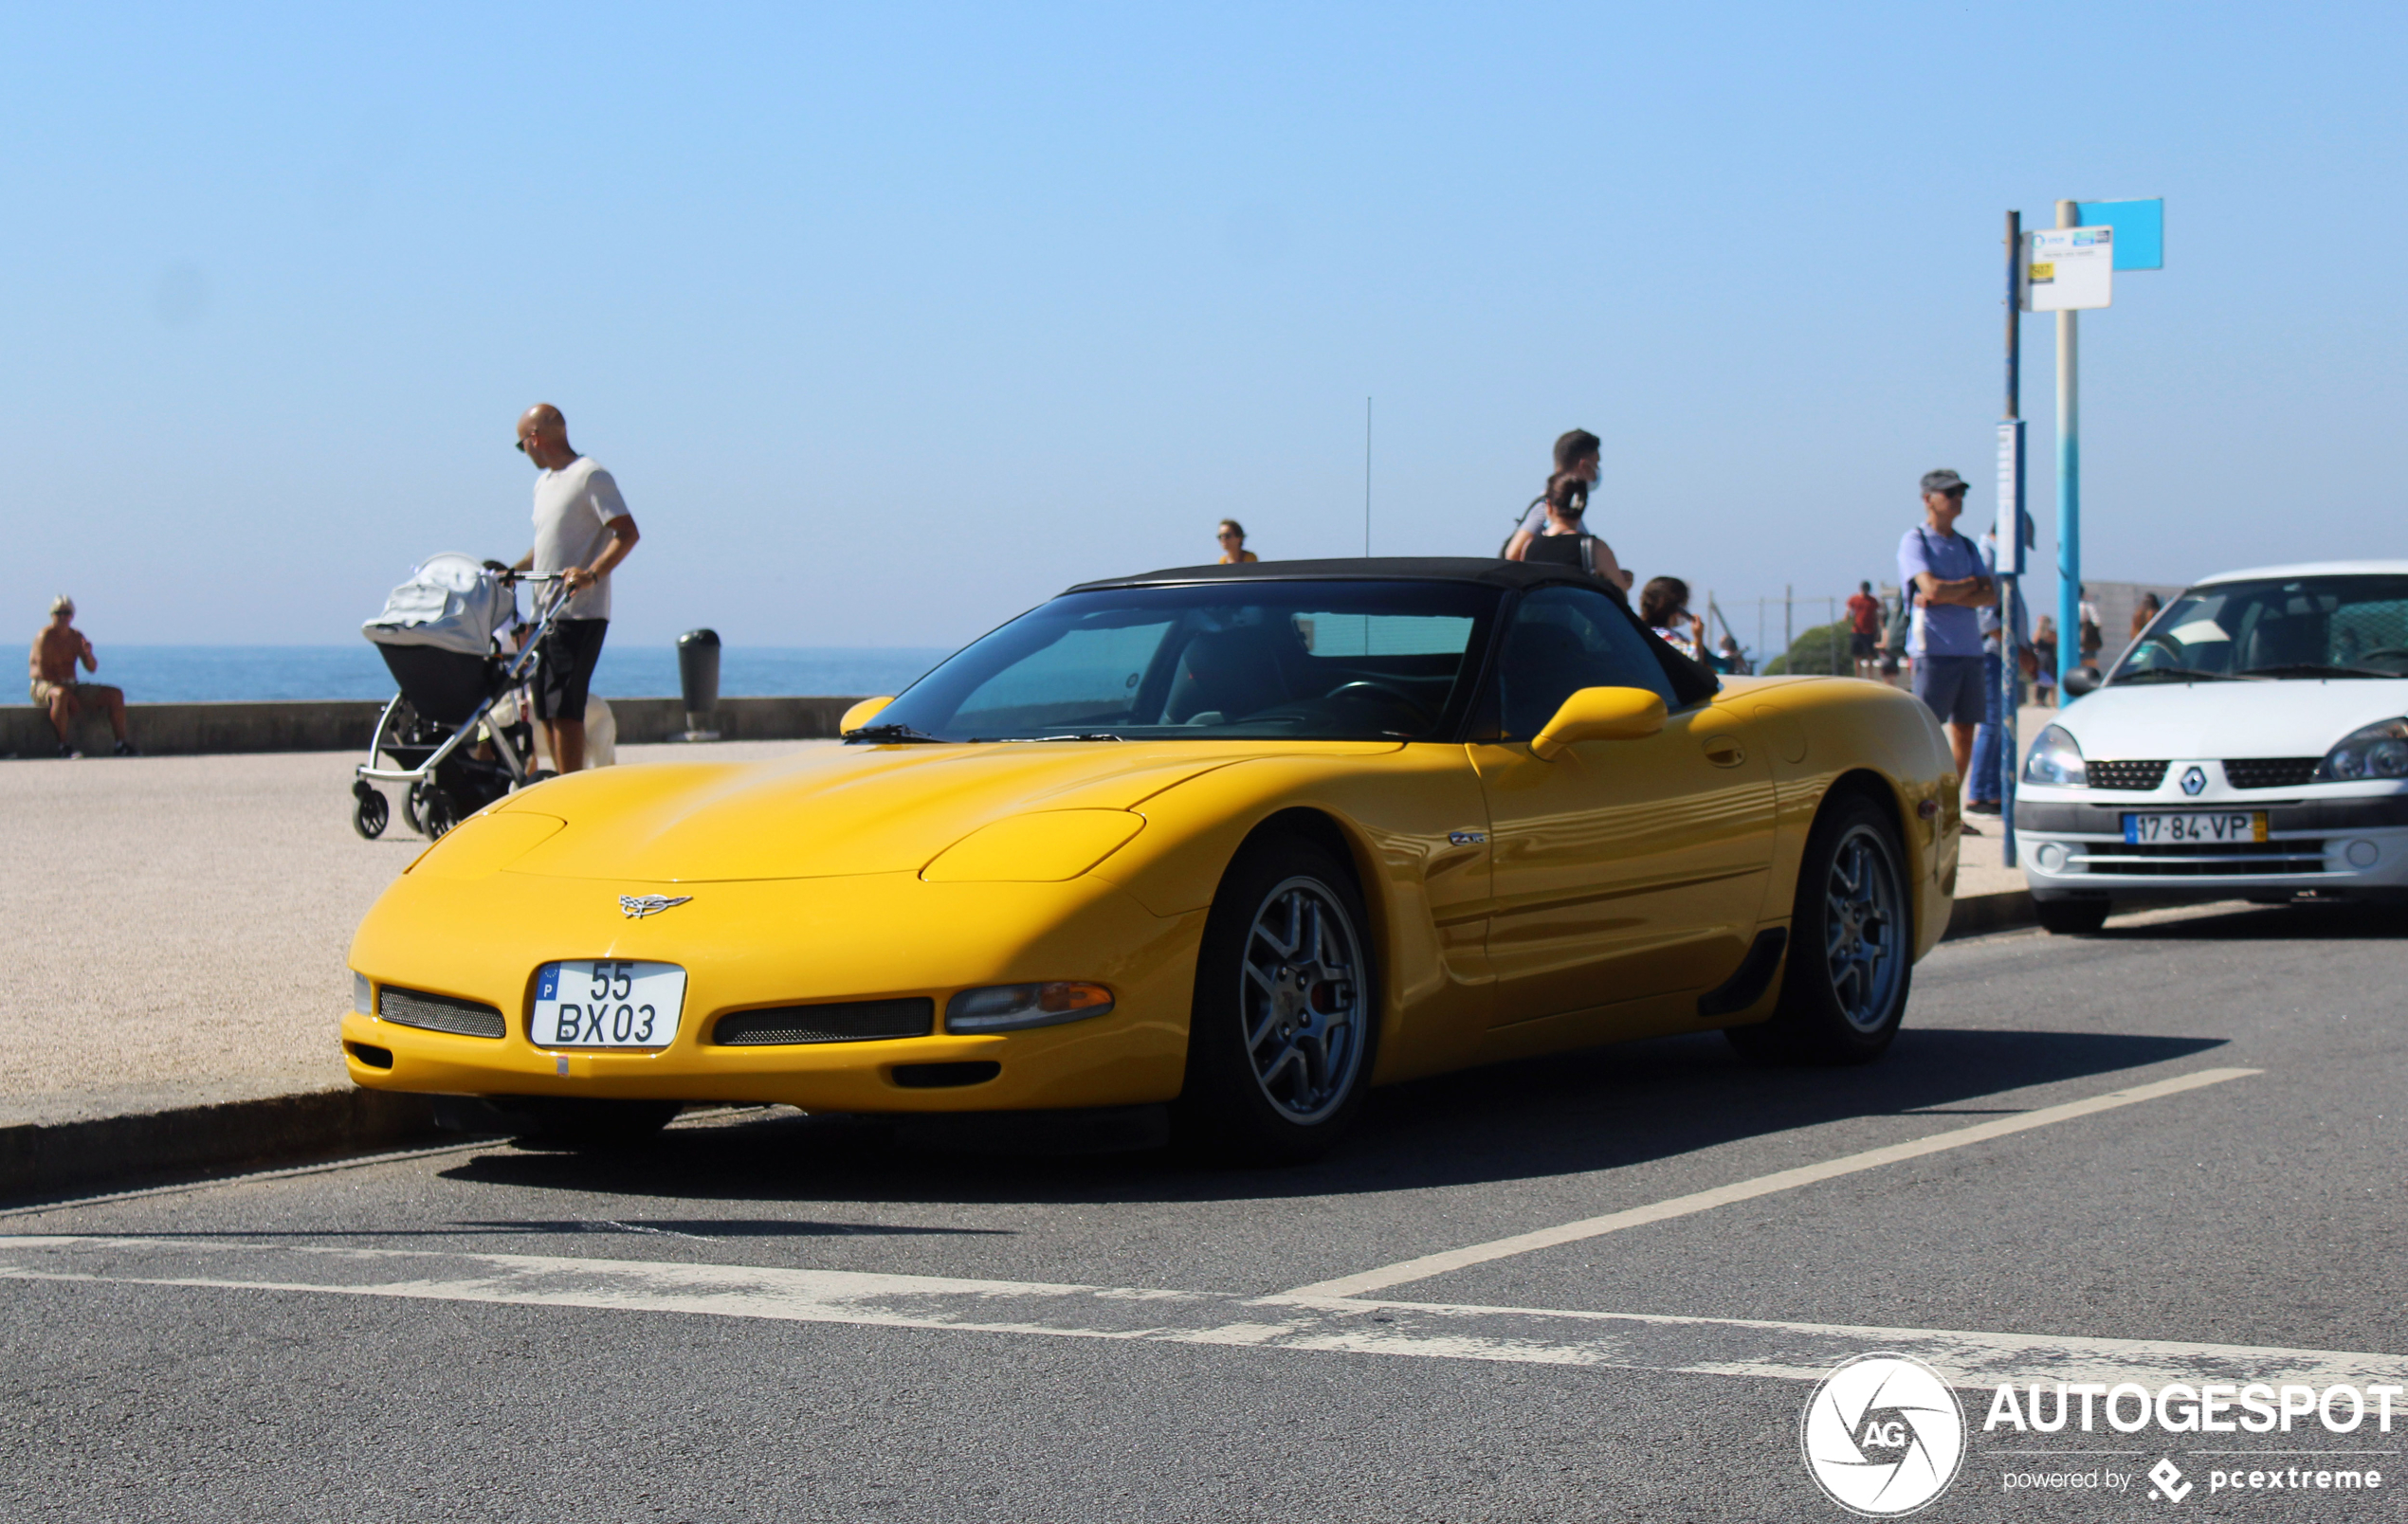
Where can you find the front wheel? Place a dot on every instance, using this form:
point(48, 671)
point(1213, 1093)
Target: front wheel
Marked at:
point(1285, 1025)
point(1850, 946)
point(370, 813)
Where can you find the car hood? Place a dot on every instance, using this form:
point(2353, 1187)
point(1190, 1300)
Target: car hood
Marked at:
point(835, 811)
point(2282, 717)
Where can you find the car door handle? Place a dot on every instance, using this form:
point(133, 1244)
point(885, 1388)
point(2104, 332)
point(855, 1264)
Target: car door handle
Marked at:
point(1724, 751)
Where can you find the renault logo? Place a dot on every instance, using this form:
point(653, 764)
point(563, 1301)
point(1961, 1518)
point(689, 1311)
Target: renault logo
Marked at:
point(2194, 781)
point(635, 907)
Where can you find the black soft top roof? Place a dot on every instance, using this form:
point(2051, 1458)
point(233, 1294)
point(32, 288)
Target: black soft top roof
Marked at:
point(1483, 569)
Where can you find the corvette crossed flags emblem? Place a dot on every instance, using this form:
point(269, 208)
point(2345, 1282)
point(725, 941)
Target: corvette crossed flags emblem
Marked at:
point(635, 907)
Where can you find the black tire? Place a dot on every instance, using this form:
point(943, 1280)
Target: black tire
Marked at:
point(370, 813)
point(2070, 917)
point(413, 806)
point(437, 813)
point(1850, 961)
point(578, 1125)
point(1290, 1093)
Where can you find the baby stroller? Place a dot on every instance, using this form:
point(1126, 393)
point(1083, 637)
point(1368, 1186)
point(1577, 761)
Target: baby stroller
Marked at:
point(444, 634)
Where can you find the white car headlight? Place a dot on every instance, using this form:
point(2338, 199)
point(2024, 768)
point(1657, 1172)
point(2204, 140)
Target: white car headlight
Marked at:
point(2055, 759)
point(2378, 750)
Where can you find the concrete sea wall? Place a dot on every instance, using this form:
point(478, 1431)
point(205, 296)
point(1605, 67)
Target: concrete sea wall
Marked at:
point(344, 725)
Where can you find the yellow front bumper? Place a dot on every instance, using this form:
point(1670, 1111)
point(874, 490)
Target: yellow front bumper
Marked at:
point(763, 943)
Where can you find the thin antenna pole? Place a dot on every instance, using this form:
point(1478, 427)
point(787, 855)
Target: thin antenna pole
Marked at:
point(1366, 477)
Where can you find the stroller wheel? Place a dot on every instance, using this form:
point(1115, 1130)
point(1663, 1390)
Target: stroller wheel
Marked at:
point(437, 814)
point(369, 813)
point(413, 806)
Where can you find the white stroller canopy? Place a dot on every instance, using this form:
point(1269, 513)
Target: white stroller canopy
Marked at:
point(451, 603)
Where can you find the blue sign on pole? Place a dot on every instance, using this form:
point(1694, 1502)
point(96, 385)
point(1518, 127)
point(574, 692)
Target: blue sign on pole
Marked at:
point(2140, 229)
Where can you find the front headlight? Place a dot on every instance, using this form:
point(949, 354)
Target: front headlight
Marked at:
point(2055, 759)
point(2378, 750)
point(1015, 1007)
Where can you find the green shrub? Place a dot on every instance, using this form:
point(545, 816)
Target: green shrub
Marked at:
point(1822, 649)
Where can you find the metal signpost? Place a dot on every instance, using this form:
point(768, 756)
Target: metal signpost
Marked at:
point(2062, 270)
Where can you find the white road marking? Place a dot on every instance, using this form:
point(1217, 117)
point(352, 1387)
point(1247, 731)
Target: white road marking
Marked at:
point(1588, 1228)
point(1696, 1346)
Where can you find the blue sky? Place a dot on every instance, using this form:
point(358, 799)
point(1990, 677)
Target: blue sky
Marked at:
point(893, 321)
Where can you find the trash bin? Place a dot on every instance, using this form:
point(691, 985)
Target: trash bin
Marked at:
point(698, 681)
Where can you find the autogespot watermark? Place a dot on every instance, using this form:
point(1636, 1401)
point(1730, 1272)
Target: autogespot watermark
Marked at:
point(1883, 1436)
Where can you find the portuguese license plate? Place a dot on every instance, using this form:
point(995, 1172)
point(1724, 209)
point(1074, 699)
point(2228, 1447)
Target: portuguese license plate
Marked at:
point(2196, 826)
point(607, 1002)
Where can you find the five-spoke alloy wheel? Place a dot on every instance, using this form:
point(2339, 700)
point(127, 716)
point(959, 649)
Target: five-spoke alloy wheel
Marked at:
point(1286, 1020)
point(1850, 944)
point(1303, 1000)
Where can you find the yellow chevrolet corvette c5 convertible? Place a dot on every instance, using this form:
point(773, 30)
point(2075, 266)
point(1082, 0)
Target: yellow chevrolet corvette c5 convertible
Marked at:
point(1244, 839)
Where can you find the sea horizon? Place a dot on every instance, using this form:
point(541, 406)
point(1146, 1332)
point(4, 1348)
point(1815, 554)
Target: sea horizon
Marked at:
point(205, 674)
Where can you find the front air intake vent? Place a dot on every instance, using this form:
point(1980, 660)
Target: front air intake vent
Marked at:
point(855, 1021)
point(438, 1013)
point(2140, 776)
point(2270, 772)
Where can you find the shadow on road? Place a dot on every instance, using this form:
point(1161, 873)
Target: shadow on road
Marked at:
point(1604, 1109)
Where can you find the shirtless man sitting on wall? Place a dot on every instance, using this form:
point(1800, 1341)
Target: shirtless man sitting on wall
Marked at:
point(56, 651)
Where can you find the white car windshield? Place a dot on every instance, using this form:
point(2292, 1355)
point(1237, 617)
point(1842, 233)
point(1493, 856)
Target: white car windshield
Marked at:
point(2302, 628)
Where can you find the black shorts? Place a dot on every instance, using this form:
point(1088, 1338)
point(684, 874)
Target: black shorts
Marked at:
point(1860, 646)
point(567, 666)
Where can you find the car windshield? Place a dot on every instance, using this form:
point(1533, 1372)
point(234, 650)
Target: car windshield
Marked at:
point(1292, 661)
point(2330, 627)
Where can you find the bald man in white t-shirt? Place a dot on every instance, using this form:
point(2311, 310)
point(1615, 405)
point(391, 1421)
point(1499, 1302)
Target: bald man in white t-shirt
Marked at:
point(582, 531)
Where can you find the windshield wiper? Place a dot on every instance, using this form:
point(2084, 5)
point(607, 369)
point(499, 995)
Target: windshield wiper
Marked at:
point(897, 732)
point(2318, 669)
point(2175, 674)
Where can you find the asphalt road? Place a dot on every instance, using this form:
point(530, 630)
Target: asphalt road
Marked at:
point(779, 1318)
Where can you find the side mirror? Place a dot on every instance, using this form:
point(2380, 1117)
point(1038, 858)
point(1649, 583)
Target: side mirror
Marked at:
point(1600, 715)
point(862, 714)
point(2083, 680)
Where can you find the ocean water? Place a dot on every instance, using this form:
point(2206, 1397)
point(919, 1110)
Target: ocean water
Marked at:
point(192, 674)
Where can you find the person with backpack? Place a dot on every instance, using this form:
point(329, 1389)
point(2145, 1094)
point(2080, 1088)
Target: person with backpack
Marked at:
point(1943, 574)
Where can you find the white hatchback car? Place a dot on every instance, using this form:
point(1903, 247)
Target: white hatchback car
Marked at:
point(2252, 744)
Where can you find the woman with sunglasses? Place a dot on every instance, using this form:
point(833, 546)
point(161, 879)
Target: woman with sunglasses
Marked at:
point(1233, 538)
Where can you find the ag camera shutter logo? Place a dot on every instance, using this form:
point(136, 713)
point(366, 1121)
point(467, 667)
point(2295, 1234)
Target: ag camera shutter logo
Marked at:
point(1883, 1435)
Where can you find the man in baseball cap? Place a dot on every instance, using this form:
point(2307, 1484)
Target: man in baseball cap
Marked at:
point(1946, 576)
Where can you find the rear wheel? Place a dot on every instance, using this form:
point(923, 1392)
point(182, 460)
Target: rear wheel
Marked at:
point(2070, 917)
point(1285, 1025)
point(1850, 946)
point(414, 805)
point(437, 813)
